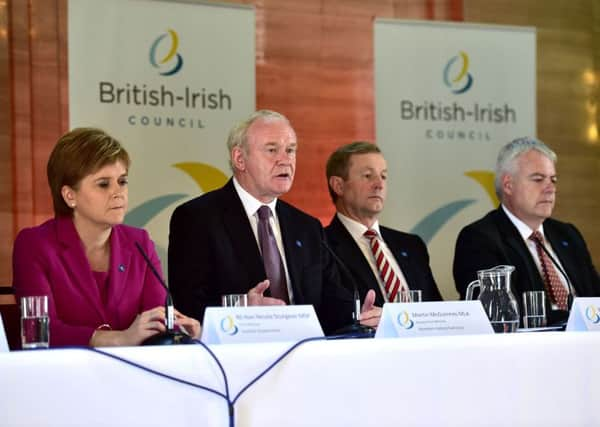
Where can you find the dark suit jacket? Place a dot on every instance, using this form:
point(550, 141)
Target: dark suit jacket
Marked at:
point(50, 260)
point(494, 240)
point(408, 249)
point(213, 251)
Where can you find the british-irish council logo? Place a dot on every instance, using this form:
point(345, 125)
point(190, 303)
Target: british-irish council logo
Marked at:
point(228, 325)
point(170, 62)
point(592, 314)
point(456, 73)
point(404, 320)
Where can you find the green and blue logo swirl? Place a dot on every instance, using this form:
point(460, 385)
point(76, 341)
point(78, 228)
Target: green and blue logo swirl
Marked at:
point(456, 74)
point(228, 325)
point(404, 320)
point(170, 63)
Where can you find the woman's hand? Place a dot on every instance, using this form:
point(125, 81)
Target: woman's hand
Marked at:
point(145, 325)
point(189, 325)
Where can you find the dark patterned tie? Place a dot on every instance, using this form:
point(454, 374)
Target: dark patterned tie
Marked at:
point(558, 293)
point(271, 256)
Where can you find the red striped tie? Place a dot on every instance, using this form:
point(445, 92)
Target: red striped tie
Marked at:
point(390, 280)
point(554, 286)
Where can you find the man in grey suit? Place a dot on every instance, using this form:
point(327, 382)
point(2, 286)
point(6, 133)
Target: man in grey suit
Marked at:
point(547, 254)
point(242, 238)
point(375, 256)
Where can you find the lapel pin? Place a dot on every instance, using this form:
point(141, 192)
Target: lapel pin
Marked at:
point(565, 243)
point(404, 254)
point(298, 243)
point(121, 268)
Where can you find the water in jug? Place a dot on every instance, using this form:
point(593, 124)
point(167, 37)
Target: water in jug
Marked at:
point(497, 300)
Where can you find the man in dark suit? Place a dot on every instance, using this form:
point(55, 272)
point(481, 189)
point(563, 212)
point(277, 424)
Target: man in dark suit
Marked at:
point(242, 239)
point(356, 175)
point(526, 186)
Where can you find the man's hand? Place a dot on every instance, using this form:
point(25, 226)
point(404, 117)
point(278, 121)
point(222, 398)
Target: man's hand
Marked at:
point(256, 297)
point(369, 313)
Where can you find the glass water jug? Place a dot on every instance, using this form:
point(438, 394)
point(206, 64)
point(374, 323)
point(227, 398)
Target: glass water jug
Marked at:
point(497, 300)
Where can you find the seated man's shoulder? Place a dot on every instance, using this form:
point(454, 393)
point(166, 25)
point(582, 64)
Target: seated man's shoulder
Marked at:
point(564, 229)
point(486, 224)
point(297, 216)
point(404, 239)
point(203, 202)
point(400, 234)
point(553, 222)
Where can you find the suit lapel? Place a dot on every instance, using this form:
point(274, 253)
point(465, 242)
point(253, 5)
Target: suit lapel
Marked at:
point(524, 263)
point(403, 257)
point(78, 267)
point(119, 268)
point(562, 247)
point(346, 248)
point(291, 243)
point(239, 231)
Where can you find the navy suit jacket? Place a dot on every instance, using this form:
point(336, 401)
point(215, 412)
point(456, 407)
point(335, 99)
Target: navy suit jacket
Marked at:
point(213, 251)
point(494, 240)
point(50, 260)
point(408, 249)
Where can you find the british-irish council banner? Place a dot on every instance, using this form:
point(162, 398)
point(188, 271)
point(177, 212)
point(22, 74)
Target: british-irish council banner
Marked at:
point(168, 80)
point(448, 96)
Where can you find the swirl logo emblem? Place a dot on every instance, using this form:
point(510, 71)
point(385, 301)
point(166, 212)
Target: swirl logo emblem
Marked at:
point(404, 320)
point(456, 74)
point(228, 325)
point(172, 61)
point(592, 314)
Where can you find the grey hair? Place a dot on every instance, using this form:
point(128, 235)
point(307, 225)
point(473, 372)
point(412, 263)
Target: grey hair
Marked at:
point(506, 162)
point(238, 135)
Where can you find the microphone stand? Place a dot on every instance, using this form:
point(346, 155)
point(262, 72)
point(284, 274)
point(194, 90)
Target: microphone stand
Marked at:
point(355, 329)
point(171, 335)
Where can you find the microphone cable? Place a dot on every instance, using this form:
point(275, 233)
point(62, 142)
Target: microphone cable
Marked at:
point(283, 356)
point(226, 395)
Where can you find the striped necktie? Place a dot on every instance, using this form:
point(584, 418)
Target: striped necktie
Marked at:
point(390, 280)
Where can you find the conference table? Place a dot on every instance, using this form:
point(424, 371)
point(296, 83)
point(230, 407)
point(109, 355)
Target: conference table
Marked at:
point(521, 379)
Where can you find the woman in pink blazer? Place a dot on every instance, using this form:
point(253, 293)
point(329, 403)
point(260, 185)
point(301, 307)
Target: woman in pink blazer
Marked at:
point(100, 290)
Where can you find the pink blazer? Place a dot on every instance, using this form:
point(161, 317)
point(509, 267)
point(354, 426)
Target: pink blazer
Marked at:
point(50, 260)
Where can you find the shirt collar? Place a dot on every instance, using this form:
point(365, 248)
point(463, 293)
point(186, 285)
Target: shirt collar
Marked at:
point(357, 229)
point(251, 203)
point(524, 230)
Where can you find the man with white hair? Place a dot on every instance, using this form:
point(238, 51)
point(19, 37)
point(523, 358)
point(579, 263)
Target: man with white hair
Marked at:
point(241, 238)
point(547, 254)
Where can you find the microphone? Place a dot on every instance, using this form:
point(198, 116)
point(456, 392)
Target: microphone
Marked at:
point(559, 268)
point(171, 336)
point(355, 330)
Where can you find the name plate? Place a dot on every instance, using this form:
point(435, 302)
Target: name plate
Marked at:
point(584, 315)
point(426, 319)
point(232, 325)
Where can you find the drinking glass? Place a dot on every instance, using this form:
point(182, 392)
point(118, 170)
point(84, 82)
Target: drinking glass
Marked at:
point(409, 296)
point(234, 300)
point(534, 309)
point(34, 322)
